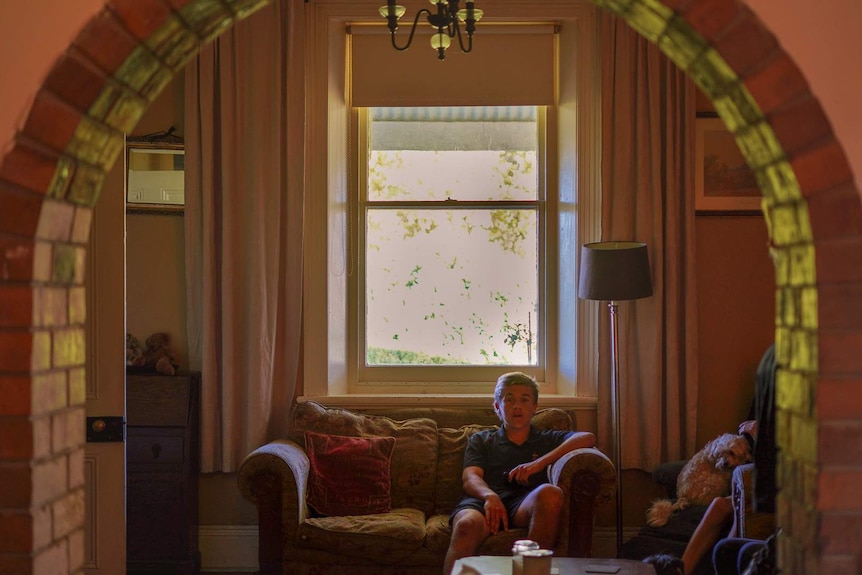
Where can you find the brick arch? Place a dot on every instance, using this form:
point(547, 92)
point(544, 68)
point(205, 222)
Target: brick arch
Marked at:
point(112, 71)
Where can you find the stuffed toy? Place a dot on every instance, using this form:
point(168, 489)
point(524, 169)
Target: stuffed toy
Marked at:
point(158, 354)
point(134, 351)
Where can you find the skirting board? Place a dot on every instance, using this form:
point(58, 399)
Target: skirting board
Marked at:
point(233, 548)
point(228, 548)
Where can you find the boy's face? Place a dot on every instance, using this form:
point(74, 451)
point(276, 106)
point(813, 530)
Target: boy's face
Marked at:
point(517, 407)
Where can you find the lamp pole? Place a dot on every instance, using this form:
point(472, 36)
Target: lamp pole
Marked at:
point(615, 398)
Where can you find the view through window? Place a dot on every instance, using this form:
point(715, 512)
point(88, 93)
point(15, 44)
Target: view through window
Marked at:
point(451, 237)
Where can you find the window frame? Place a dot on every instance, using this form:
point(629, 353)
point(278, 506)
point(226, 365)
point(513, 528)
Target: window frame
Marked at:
point(570, 378)
point(445, 379)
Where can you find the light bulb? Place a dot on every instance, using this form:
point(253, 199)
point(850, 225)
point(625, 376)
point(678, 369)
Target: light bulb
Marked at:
point(440, 40)
point(477, 14)
point(399, 11)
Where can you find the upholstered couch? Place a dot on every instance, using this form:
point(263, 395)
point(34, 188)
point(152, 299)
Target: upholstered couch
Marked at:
point(424, 485)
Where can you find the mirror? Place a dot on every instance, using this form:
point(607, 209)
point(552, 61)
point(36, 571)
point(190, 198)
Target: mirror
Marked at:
point(155, 173)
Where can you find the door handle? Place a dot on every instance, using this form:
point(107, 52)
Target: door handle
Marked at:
point(105, 429)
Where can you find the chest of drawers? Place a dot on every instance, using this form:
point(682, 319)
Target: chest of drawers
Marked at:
point(162, 468)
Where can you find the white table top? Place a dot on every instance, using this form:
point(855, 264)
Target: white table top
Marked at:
point(491, 565)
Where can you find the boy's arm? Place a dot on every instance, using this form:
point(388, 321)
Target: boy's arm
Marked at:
point(576, 440)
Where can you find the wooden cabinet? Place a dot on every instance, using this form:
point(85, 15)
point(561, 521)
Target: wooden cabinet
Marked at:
point(162, 468)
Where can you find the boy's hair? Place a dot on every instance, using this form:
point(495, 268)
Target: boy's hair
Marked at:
point(515, 378)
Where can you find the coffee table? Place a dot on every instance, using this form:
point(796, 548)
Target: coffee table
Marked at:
point(491, 565)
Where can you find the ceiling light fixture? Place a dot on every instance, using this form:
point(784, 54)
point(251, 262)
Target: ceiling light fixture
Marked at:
point(445, 22)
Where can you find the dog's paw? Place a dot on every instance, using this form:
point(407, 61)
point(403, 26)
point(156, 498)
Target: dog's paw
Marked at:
point(659, 512)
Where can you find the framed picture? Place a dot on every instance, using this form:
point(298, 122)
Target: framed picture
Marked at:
point(723, 180)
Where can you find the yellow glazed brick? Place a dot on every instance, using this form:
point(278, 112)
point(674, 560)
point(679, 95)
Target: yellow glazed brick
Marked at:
point(62, 177)
point(758, 146)
point(737, 105)
point(123, 108)
point(77, 386)
point(208, 18)
point(619, 7)
point(785, 227)
point(714, 77)
point(138, 69)
point(802, 270)
point(648, 20)
point(69, 348)
point(808, 299)
point(41, 350)
point(781, 263)
point(111, 151)
point(804, 446)
point(779, 182)
point(789, 312)
point(88, 141)
point(681, 43)
point(804, 346)
point(173, 43)
point(86, 184)
point(791, 391)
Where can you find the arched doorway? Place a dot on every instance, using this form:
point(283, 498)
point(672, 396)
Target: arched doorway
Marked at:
point(101, 87)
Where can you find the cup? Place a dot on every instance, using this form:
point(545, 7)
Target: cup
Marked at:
point(520, 546)
point(537, 562)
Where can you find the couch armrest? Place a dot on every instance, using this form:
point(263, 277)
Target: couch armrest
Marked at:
point(275, 477)
point(588, 479)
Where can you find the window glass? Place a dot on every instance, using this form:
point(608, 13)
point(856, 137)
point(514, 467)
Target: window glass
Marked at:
point(451, 244)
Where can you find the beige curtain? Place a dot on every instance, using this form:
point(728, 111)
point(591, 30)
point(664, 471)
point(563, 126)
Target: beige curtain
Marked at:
point(647, 195)
point(244, 110)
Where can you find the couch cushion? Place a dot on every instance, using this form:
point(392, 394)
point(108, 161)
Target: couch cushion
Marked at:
point(386, 537)
point(349, 475)
point(413, 467)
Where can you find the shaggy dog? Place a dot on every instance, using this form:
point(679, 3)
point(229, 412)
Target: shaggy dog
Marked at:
point(705, 476)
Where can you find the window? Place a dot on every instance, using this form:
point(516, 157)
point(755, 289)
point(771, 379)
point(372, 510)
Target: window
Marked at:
point(450, 244)
point(359, 87)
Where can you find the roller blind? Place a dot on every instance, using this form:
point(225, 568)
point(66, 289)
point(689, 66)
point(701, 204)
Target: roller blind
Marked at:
point(513, 65)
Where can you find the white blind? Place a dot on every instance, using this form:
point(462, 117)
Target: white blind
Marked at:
point(509, 65)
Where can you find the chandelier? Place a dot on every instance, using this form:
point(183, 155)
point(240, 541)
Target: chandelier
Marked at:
point(445, 22)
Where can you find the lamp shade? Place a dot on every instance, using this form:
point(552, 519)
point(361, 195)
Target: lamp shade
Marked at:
point(614, 271)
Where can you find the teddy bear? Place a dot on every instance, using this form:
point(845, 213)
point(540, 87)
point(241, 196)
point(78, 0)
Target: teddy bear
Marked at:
point(158, 354)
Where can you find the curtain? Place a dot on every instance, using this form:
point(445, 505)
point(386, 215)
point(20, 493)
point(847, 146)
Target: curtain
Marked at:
point(245, 128)
point(647, 195)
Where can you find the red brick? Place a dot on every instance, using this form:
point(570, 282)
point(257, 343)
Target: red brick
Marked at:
point(17, 309)
point(15, 395)
point(16, 349)
point(710, 17)
point(821, 168)
point(141, 17)
point(678, 6)
point(839, 399)
point(21, 209)
point(106, 42)
point(836, 213)
point(52, 122)
point(800, 124)
point(16, 260)
point(839, 260)
point(28, 168)
point(839, 532)
point(779, 81)
point(49, 392)
point(839, 352)
point(833, 311)
point(838, 489)
point(840, 443)
point(16, 479)
point(746, 44)
point(16, 532)
point(76, 80)
point(16, 438)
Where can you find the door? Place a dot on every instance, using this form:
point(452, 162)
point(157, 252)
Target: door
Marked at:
point(104, 456)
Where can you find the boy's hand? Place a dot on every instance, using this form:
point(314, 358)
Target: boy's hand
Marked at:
point(496, 514)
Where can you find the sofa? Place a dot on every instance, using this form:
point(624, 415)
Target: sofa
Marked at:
point(673, 537)
point(407, 530)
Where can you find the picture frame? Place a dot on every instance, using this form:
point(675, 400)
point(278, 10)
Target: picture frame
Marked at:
point(724, 183)
point(155, 173)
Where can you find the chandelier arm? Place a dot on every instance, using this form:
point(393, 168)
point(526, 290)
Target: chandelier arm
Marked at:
point(461, 41)
point(412, 31)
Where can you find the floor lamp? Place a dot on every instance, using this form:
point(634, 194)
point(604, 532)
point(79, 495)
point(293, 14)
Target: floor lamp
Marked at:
point(612, 272)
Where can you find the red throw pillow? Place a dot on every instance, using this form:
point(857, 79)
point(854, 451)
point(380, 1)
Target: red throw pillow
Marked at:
point(349, 475)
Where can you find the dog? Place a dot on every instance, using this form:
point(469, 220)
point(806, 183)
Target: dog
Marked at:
point(666, 564)
point(705, 476)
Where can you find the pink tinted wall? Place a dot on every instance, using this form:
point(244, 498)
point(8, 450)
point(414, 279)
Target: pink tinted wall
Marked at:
point(822, 37)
